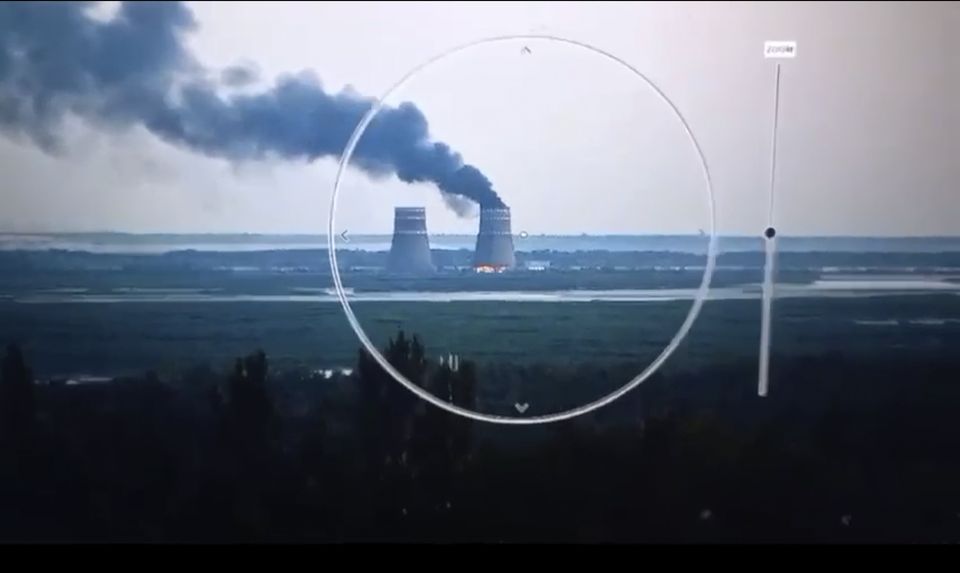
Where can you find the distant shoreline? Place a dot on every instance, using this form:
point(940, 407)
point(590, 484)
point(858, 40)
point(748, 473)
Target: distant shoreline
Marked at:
point(323, 236)
point(156, 243)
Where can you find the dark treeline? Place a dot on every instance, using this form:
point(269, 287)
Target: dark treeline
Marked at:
point(842, 450)
point(315, 260)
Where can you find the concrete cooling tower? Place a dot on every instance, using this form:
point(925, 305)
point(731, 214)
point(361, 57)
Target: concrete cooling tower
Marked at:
point(410, 247)
point(494, 251)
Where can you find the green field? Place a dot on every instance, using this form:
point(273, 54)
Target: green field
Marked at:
point(172, 337)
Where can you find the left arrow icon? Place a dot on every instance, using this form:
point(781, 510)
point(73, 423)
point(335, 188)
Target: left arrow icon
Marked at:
point(343, 236)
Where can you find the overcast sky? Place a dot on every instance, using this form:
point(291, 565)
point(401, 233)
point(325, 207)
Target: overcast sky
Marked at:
point(870, 117)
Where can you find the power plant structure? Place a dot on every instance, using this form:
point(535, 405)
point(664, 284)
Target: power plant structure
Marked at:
point(494, 252)
point(410, 246)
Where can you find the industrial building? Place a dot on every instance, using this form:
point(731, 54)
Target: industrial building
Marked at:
point(410, 246)
point(494, 252)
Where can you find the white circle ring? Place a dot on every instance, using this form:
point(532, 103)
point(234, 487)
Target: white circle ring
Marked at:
point(698, 301)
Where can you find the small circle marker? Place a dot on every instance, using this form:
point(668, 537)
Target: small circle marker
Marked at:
point(770, 232)
point(524, 234)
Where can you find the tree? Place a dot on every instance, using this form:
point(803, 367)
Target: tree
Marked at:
point(250, 412)
point(17, 401)
point(386, 408)
point(463, 392)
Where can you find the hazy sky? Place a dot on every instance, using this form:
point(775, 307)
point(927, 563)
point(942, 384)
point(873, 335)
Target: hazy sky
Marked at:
point(870, 117)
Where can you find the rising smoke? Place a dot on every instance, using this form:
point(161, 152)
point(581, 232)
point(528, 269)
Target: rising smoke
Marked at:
point(57, 60)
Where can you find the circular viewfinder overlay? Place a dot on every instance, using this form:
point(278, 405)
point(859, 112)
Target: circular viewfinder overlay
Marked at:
point(698, 298)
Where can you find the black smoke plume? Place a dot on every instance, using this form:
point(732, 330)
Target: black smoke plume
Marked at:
point(240, 75)
point(56, 59)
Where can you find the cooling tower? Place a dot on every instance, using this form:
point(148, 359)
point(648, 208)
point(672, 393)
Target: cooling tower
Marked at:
point(410, 247)
point(494, 241)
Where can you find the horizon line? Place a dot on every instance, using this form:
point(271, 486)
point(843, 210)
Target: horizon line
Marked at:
point(389, 234)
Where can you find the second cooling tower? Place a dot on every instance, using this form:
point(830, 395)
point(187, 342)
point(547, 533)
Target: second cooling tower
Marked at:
point(410, 247)
point(494, 241)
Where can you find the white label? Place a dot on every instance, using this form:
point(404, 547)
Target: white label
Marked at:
point(774, 49)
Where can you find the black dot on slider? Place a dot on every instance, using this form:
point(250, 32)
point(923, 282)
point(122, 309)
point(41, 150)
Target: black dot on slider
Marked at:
point(770, 233)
